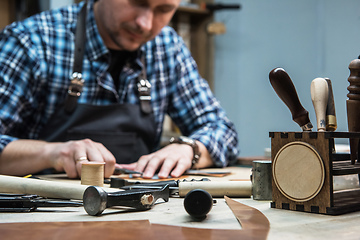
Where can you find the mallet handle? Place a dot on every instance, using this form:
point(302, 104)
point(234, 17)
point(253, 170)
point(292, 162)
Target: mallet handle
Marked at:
point(44, 188)
point(218, 189)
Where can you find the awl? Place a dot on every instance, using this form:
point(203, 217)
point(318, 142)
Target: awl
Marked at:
point(285, 89)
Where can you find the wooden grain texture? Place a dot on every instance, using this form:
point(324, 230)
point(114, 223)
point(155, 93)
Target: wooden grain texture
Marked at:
point(298, 171)
point(323, 199)
point(326, 201)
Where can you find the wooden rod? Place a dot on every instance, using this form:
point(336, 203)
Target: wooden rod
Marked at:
point(44, 188)
point(218, 189)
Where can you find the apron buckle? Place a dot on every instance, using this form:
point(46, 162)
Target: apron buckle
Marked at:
point(74, 91)
point(144, 88)
point(76, 85)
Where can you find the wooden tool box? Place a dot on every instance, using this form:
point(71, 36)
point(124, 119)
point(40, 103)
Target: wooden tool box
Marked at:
point(303, 167)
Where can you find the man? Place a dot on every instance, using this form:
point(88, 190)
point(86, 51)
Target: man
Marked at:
point(133, 69)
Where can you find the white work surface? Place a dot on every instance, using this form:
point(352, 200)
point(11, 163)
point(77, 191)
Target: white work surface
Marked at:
point(284, 224)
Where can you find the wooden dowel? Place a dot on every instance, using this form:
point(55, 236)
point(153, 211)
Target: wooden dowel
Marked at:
point(218, 189)
point(44, 188)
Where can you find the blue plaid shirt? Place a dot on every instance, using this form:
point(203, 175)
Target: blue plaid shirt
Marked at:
point(36, 61)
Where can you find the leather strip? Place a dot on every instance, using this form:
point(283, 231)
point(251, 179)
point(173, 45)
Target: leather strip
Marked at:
point(249, 218)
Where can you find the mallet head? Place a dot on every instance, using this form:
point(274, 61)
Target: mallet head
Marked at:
point(94, 200)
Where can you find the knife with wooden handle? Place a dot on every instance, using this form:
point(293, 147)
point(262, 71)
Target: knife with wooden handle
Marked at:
point(285, 89)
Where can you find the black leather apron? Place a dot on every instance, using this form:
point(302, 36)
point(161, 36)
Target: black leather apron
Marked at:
point(127, 130)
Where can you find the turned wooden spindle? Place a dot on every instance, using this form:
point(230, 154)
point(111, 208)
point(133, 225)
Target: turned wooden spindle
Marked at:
point(285, 89)
point(353, 105)
point(319, 96)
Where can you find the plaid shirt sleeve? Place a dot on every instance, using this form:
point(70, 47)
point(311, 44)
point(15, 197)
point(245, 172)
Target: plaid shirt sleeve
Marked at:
point(15, 68)
point(24, 75)
point(197, 112)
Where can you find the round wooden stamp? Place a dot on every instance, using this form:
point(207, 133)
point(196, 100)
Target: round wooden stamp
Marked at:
point(298, 171)
point(92, 173)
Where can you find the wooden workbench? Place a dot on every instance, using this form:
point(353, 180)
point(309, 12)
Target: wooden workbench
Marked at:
point(284, 224)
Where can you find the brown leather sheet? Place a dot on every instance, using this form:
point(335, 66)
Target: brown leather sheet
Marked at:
point(254, 226)
point(249, 218)
point(131, 230)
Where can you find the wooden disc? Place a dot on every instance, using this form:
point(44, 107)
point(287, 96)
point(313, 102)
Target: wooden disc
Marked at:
point(298, 171)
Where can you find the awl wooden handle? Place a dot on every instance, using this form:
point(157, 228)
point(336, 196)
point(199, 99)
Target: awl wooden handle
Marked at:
point(285, 89)
point(319, 96)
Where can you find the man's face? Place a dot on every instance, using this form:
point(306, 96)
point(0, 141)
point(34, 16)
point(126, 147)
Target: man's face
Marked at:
point(127, 24)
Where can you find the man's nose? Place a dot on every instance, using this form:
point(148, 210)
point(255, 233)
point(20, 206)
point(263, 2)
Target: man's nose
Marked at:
point(145, 19)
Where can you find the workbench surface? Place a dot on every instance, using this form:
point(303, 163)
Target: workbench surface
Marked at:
point(284, 224)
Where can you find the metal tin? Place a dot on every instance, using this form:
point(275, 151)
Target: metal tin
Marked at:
point(261, 180)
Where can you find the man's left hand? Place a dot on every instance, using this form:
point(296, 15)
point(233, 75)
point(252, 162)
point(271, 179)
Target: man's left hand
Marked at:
point(173, 160)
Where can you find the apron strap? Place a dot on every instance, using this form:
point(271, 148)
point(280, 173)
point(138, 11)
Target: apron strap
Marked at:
point(144, 89)
point(77, 82)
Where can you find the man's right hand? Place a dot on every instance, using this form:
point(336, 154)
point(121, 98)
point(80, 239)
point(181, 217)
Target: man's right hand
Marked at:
point(23, 157)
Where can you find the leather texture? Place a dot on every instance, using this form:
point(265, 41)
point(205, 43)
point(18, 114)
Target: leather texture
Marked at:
point(254, 226)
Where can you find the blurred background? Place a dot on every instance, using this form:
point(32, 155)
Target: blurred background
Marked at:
point(308, 38)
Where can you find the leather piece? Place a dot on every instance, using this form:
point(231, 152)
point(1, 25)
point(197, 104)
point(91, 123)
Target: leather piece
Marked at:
point(130, 230)
point(254, 226)
point(249, 218)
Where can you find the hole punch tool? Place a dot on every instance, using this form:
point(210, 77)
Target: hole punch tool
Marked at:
point(173, 184)
point(29, 203)
point(182, 187)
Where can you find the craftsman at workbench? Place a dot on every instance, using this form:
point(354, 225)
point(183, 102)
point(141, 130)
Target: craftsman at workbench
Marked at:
point(93, 82)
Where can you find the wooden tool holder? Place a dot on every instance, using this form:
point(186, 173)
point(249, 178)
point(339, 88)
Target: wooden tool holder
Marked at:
point(326, 200)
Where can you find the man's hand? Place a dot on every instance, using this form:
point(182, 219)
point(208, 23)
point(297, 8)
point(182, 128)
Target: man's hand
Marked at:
point(70, 155)
point(172, 160)
point(23, 157)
